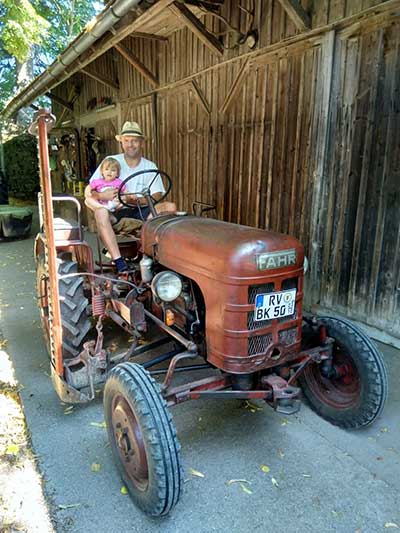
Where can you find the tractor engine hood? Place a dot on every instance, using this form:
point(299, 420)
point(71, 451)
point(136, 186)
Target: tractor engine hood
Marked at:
point(219, 250)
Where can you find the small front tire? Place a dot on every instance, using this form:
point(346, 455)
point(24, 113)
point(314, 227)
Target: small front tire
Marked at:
point(143, 439)
point(357, 393)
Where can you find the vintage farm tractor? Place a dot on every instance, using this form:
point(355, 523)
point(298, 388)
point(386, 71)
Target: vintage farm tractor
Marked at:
point(228, 294)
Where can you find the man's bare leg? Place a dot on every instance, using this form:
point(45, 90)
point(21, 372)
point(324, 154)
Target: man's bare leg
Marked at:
point(106, 232)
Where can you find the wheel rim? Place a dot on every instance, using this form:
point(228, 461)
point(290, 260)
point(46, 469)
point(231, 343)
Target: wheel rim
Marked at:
point(340, 392)
point(129, 442)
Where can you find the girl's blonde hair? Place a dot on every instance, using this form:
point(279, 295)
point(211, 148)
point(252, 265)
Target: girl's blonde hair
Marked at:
point(110, 162)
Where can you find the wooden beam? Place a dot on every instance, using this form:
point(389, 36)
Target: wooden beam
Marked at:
point(237, 83)
point(137, 64)
point(149, 36)
point(196, 89)
point(197, 27)
point(298, 15)
point(60, 101)
point(101, 79)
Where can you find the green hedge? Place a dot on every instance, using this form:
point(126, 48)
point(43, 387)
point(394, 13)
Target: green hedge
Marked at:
point(21, 166)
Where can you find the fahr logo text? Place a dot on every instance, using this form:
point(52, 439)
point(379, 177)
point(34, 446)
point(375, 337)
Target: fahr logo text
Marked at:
point(274, 260)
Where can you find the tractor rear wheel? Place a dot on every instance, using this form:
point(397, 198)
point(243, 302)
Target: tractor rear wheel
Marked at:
point(354, 395)
point(143, 439)
point(76, 323)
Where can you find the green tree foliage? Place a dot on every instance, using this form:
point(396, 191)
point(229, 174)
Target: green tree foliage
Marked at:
point(22, 28)
point(39, 30)
point(68, 18)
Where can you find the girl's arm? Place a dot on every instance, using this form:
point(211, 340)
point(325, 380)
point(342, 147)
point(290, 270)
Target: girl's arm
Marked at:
point(90, 201)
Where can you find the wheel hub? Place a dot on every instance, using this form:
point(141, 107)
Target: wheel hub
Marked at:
point(130, 444)
point(340, 388)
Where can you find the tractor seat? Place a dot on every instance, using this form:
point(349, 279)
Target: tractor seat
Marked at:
point(67, 229)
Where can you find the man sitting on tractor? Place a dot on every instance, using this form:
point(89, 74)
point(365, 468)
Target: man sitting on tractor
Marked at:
point(131, 161)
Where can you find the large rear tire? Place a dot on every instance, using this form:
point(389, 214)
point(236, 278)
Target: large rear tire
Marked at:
point(76, 323)
point(356, 394)
point(143, 439)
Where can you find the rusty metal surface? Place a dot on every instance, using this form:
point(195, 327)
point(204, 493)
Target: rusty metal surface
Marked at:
point(221, 258)
point(43, 121)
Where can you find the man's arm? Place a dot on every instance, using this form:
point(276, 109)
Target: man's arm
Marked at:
point(91, 194)
point(139, 199)
point(109, 194)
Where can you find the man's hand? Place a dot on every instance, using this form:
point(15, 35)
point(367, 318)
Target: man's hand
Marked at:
point(138, 199)
point(109, 194)
point(133, 199)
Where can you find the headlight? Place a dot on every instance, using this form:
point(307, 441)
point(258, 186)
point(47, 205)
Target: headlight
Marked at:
point(305, 264)
point(167, 286)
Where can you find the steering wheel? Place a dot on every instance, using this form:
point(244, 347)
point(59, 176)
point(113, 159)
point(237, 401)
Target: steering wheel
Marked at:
point(145, 192)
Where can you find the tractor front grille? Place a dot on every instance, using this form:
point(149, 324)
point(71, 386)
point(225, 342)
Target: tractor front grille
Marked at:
point(290, 283)
point(259, 344)
point(253, 291)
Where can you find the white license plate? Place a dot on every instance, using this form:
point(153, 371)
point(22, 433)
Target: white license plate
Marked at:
point(275, 305)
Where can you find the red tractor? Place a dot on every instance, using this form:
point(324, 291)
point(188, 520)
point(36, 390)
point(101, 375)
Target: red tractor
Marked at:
point(230, 295)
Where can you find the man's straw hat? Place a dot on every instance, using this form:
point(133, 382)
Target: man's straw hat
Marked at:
point(130, 129)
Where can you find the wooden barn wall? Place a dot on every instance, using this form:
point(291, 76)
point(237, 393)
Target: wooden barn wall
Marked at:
point(360, 242)
point(308, 144)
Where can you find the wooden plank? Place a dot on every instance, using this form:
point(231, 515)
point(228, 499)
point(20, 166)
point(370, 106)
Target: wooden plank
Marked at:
point(200, 97)
point(318, 214)
point(197, 27)
point(349, 107)
point(137, 64)
point(236, 85)
point(392, 76)
point(365, 169)
point(297, 14)
point(259, 166)
point(294, 213)
point(274, 120)
point(250, 142)
point(151, 36)
point(101, 79)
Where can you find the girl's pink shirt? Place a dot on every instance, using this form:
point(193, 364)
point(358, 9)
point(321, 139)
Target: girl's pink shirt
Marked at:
point(100, 184)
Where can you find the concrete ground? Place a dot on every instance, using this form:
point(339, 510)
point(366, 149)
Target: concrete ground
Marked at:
point(319, 478)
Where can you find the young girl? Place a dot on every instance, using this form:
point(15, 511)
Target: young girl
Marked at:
point(110, 170)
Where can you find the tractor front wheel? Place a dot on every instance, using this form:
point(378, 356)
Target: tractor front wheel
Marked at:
point(143, 439)
point(354, 392)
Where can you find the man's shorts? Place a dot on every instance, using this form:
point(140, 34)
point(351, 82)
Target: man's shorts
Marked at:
point(141, 213)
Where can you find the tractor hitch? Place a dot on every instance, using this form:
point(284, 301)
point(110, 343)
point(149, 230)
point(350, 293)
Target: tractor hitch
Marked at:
point(284, 397)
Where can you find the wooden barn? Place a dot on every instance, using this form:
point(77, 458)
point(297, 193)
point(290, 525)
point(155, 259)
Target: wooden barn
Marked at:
point(283, 114)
